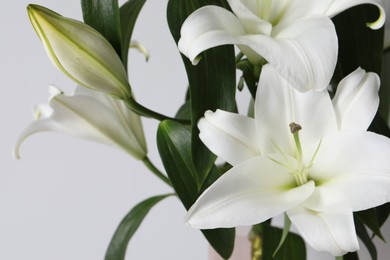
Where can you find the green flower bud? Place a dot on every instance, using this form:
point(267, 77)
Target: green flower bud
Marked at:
point(80, 52)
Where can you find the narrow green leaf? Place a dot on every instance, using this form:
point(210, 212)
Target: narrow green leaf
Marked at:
point(174, 146)
point(286, 231)
point(103, 15)
point(128, 16)
point(293, 248)
point(212, 82)
point(128, 226)
point(370, 219)
point(366, 239)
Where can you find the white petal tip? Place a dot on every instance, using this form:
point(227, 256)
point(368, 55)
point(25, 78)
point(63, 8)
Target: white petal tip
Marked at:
point(15, 153)
point(380, 21)
point(196, 60)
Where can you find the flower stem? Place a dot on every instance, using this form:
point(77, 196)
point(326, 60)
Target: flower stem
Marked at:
point(146, 112)
point(156, 171)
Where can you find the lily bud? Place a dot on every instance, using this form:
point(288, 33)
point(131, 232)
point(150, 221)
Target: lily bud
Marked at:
point(80, 52)
point(90, 115)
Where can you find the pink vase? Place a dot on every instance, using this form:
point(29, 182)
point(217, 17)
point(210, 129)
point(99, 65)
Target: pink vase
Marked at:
point(242, 246)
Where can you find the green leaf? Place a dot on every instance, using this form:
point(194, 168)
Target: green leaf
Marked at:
point(128, 226)
point(128, 16)
point(350, 256)
point(174, 146)
point(286, 231)
point(370, 219)
point(212, 82)
point(358, 44)
point(103, 15)
point(383, 213)
point(365, 238)
point(184, 111)
point(173, 141)
point(293, 247)
point(379, 126)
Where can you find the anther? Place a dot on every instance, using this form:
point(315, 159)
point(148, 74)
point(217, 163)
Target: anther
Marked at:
point(294, 127)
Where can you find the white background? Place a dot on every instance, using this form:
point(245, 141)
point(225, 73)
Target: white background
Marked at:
point(65, 197)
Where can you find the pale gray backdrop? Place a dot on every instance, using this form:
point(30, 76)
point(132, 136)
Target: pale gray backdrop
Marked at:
point(65, 197)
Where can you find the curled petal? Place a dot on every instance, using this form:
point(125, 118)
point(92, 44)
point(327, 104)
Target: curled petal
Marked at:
point(339, 6)
point(232, 137)
point(87, 117)
point(208, 27)
point(326, 231)
point(35, 127)
point(357, 100)
point(249, 193)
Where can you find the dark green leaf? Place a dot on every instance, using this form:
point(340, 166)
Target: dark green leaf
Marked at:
point(184, 111)
point(351, 256)
point(128, 226)
point(358, 44)
point(379, 126)
point(128, 16)
point(370, 219)
point(366, 239)
point(293, 247)
point(103, 15)
point(174, 145)
point(383, 213)
point(212, 82)
point(384, 91)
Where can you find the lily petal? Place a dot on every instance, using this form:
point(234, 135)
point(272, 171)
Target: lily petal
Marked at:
point(356, 100)
point(86, 117)
point(249, 193)
point(352, 170)
point(246, 13)
point(339, 6)
point(80, 52)
point(232, 137)
point(278, 104)
point(326, 231)
point(129, 120)
point(208, 27)
point(298, 49)
point(35, 127)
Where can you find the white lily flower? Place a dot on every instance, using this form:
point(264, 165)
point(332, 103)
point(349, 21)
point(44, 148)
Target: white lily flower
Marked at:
point(297, 37)
point(303, 154)
point(90, 115)
point(80, 52)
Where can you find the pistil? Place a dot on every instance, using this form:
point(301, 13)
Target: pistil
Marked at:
point(301, 173)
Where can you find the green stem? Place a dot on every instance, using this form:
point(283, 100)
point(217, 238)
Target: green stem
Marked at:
point(156, 171)
point(146, 112)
